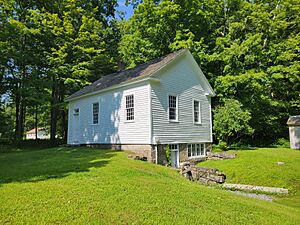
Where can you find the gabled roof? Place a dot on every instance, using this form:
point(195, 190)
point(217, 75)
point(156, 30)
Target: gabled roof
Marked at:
point(140, 72)
point(294, 121)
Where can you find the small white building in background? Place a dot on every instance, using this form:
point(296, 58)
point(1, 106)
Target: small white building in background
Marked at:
point(294, 131)
point(162, 103)
point(42, 133)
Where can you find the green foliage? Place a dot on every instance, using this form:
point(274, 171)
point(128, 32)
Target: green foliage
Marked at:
point(168, 155)
point(43, 186)
point(282, 143)
point(49, 50)
point(6, 123)
point(231, 123)
point(249, 50)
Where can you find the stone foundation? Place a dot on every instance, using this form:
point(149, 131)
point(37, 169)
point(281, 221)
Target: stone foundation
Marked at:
point(183, 153)
point(161, 154)
point(139, 150)
point(149, 151)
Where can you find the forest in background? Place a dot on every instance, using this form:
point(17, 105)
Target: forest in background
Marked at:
point(248, 49)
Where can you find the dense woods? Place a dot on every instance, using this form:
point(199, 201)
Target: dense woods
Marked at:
point(249, 51)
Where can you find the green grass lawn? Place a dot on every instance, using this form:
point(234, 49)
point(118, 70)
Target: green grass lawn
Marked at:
point(259, 167)
point(89, 186)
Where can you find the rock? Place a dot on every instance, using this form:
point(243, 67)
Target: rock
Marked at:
point(183, 164)
point(202, 174)
point(220, 155)
point(142, 158)
point(280, 163)
point(137, 157)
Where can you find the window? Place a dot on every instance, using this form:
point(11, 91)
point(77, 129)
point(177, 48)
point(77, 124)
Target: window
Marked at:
point(96, 113)
point(173, 108)
point(76, 111)
point(197, 118)
point(195, 150)
point(173, 147)
point(129, 108)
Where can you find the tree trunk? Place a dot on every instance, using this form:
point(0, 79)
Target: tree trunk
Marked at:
point(17, 102)
point(19, 132)
point(23, 118)
point(36, 122)
point(54, 110)
point(62, 111)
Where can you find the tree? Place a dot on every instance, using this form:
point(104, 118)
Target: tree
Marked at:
point(52, 49)
point(249, 50)
point(231, 122)
point(76, 50)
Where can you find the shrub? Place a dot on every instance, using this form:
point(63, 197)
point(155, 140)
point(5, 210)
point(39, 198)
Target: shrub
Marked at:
point(231, 123)
point(281, 143)
point(168, 154)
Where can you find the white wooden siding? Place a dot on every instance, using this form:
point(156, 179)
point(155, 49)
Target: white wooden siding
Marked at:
point(112, 127)
point(151, 119)
point(180, 79)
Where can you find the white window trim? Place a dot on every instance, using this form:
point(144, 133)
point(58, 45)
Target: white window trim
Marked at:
point(93, 113)
point(200, 117)
point(177, 108)
point(174, 150)
point(125, 111)
point(198, 156)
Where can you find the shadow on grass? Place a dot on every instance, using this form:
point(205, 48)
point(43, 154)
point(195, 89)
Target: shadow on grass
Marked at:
point(40, 165)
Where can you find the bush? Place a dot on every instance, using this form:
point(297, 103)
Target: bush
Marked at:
point(222, 145)
point(168, 155)
point(231, 123)
point(281, 143)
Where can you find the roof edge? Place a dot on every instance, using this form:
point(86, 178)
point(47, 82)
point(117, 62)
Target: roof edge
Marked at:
point(129, 82)
point(124, 84)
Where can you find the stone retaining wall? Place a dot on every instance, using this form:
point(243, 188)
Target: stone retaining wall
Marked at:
point(202, 174)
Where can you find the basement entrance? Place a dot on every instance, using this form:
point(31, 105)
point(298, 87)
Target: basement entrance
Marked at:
point(174, 155)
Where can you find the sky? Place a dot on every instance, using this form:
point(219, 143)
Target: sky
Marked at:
point(127, 9)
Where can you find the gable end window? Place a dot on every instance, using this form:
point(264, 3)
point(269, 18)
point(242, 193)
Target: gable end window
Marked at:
point(76, 111)
point(96, 113)
point(129, 108)
point(173, 107)
point(197, 112)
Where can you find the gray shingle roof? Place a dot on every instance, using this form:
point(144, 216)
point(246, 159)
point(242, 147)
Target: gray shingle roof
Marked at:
point(144, 70)
point(294, 121)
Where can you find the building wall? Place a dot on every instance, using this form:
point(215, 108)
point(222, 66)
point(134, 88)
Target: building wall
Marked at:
point(183, 153)
point(112, 127)
point(40, 135)
point(294, 137)
point(183, 80)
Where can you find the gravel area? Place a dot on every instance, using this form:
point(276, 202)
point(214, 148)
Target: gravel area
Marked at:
point(253, 195)
point(246, 187)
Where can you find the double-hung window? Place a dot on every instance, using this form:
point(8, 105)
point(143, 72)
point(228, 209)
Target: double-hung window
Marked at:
point(197, 111)
point(96, 113)
point(196, 150)
point(129, 108)
point(173, 108)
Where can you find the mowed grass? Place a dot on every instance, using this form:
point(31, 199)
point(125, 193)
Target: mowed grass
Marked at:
point(90, 186)
point(259, 167)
